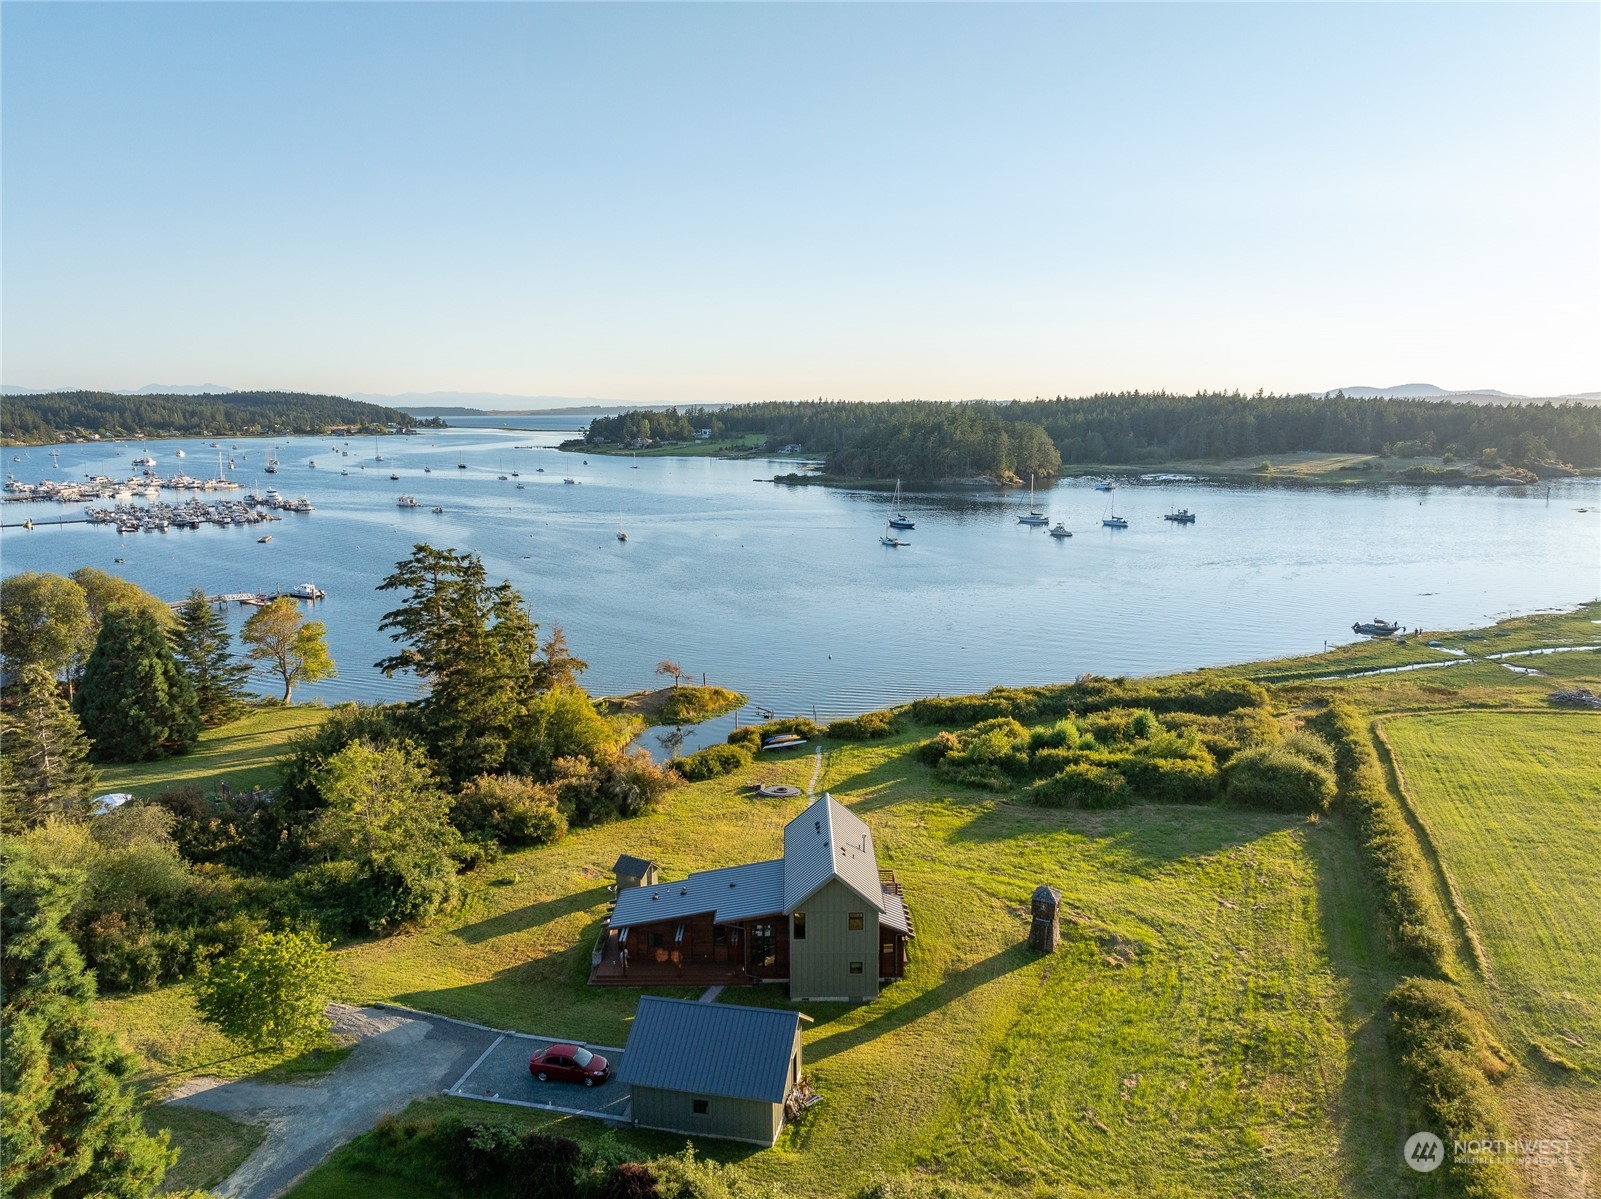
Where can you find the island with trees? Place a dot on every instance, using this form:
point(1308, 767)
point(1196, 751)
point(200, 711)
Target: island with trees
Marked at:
point(103, 415)
point(1334, 438)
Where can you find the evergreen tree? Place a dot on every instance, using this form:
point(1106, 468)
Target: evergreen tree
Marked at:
point(288, 645)
point(47, 771)
point(135, 703)
point(68, 1126)
point(558, 666)
point(476, 648)
point(204, 648)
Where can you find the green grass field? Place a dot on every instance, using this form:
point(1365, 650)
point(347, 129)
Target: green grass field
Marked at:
point(1205, 1029)
point(245, 753)
point(1512, 803)
point(210, 1146)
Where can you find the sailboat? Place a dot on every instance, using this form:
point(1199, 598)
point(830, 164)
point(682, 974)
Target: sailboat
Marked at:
point(1035, 516)
point(1113, 521)
point(272, 462)
point(890, 539)
point(899, 521)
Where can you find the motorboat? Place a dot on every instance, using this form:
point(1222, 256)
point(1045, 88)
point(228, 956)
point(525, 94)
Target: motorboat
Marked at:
point(264, 540)
point(407, 501)
point(1105, 485)
point(1182, 517)
point(306, 591)
point(1060, 530)
point(1377, 628)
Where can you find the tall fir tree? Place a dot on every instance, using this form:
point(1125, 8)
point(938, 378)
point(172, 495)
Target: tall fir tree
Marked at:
point(474, 645)
point(204, 648)
point(69, 1126)
point(47, 771)
point(134, 701)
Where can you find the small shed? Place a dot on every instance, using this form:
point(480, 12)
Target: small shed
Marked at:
point(711, 1069)
point(1045, 931)
point(634, 872)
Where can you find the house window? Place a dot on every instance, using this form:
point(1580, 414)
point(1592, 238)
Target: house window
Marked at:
point(856, 922)
point(763, 945)
point(703, 1107)
point(856, 967)
point(800, 926)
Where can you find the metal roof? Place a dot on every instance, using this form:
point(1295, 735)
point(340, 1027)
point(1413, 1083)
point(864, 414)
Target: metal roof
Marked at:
point(732, 893)
point(715, 1049)
point(824, 842)
point(895, 914)
point(630, 865)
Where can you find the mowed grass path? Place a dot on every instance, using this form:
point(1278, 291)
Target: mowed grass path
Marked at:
point(1512, 802)
point(1203, 1030)
point(245, 752)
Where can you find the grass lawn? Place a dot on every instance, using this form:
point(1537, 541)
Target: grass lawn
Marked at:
point(1512, 802)
point(1205, 1029)
point(245, 753)
point(210, 1146)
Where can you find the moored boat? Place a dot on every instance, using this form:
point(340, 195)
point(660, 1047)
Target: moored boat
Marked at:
point(1060, 530)
point(1183, 517)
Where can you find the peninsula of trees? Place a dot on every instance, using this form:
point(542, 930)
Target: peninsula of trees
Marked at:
point(923, 440)
point(81, 415)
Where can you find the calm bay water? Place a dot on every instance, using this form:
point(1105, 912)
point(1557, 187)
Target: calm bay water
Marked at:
point(785, 593)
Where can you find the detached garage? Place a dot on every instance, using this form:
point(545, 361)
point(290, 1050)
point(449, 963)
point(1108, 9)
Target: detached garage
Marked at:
point(711, 1069)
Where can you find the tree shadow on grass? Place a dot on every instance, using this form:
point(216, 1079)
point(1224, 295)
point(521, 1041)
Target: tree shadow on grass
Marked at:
point(895, 780)
point(1371, 1105)
point(1145, 836)
point(952, 988)
point(532, 915)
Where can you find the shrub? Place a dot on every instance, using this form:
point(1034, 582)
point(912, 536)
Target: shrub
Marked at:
point(508, 810)
point(1208, 697)
point(712, 762)
point(931, 752)
point(749, 737)
point(1063, 734)
point(1272, 779)
point(1171, 780)
point(1448, 1058)
point(1224, 736)
point(620, 785)
point(866, 727)
point(986, 754)
point(1120, 726)
point(1305, 744)
point(1413, 920)
point(1085, 785)
point(629, 1180)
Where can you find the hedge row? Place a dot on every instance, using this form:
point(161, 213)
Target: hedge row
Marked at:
point(1413, 921)
point(1448, 1059)
point(1210, 697)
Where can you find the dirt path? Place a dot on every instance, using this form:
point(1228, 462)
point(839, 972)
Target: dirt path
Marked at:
point(399, 1057)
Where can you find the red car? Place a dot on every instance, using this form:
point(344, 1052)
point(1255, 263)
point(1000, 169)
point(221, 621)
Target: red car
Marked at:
point(569, 1063)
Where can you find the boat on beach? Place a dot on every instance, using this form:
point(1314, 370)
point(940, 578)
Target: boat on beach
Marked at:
point(1377, 627)
point(783, 741)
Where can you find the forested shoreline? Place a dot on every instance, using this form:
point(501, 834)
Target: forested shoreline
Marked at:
point(76, 415)
point(925, 440)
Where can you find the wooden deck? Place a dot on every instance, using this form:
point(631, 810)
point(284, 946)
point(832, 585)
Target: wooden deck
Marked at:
point(608, 972)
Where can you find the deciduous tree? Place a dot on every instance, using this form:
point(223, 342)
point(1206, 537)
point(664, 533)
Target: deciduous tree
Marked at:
point(47, 771)
point(134, 702)
point(272, 992)
point(46, 621)
point(387, 814)
point(285, 644)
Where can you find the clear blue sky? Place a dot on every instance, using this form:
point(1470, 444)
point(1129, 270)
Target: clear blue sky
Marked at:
point(721, 202)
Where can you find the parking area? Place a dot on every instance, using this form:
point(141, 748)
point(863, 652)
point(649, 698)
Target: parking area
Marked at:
point(501, 1075)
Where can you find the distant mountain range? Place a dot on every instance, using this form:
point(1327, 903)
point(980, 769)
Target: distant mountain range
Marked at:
point(486, 403)
point(149, 389)
point(1479, 395)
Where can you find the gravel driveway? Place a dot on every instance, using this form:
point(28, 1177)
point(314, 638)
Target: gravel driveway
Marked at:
point(399, 1057)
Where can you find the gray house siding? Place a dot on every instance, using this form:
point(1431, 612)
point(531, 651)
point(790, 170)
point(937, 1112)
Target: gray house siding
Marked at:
point(727, 1119)
point(820, 965)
